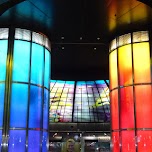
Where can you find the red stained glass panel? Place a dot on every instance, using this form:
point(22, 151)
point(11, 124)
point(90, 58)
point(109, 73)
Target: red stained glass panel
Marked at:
point(143, 95)
point(114, 110)
point(115, 142)
point(128, 141)
point(144, 141)
point(127, 108)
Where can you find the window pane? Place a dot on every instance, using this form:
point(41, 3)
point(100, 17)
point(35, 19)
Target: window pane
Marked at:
point(37, 64)
point(3, 57)
point(21, 61)
point(17, 141)
point(18, 107)
point(2, 88)
point(35, 111)
point(47, 69)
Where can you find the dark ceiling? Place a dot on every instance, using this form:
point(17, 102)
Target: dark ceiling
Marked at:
point(80, 30)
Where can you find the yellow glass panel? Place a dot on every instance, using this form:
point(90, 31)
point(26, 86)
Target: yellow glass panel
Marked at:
point(125, 65)
point(64, 95)
point(55, 103)
point(53, 107)
point(54, 90)
point(141, 56)
point(59, 90)
point(58, 94)
point(61, 103)
point(113, 76)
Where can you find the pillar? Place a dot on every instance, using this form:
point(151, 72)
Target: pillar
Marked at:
point(24, 90)
point(131, 93)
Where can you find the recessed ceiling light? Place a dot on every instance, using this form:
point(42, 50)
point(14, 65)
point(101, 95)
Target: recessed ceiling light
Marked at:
point(95, 48)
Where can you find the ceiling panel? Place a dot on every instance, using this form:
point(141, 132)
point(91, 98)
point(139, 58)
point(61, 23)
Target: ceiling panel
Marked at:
point(79, 26)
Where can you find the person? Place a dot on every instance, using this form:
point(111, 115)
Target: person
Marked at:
point(70, 145)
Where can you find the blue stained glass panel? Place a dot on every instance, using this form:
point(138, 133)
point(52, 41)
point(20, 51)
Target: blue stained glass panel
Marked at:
point(2, 88)
point(45, 109)
point(3, 58)
point(18, 107)
point(44, 142)
point(0, 139)
point(35, 113)
point(37, 64)
point(21, 61)
point(17, 141)
point(34, 141)
point(47, 68)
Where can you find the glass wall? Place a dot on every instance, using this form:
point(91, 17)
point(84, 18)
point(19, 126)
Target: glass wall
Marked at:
point(25, 89)
point(130, 92)
point(61, 100)
point(81, 101)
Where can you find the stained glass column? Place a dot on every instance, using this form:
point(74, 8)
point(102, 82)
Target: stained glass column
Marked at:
point(131, 93)
point(24, 90)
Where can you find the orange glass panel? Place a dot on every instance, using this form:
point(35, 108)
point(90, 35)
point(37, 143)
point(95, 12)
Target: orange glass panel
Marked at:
point(125, 65)
point(144, 141)
point(114, 110)
point(126, 108)
point(143, 95)
point(141, 57)
point(113, 69)
point(115, 142)
point(128, 141)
